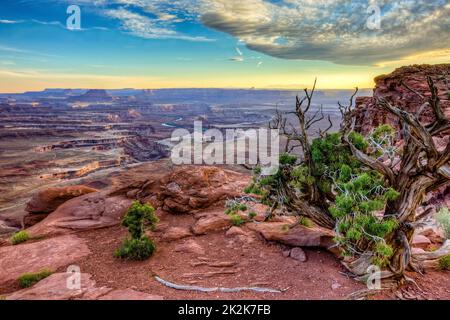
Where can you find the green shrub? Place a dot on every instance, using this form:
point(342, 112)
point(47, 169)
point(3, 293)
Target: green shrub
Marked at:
point(138, 246)
point(233, 207)
point(136, 249)
point(237, 220)
point(306, 222)
point(443, 219)
point(252, 214)
point(444, 262)
point(26, 280)
point(19, 237)
point(138, 217)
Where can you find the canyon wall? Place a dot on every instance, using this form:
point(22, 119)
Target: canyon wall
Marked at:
point(394, 88)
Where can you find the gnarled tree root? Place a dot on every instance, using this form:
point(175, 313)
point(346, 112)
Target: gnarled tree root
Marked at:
point(215, 289)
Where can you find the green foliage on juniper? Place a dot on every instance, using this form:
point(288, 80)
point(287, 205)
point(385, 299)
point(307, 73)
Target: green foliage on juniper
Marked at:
point(444, 263)
point(443, 219)
point(306, 222)
point(357, 192)
point(19, 237)
point(136, 249)
point(237, 220)
point(138, 217)
point(252, 214)
point(26, 280)
point(138, 246)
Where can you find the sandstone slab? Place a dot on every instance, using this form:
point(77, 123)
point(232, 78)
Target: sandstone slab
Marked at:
point(212, 222)
point(297, 236)
point(190, 246)
point(33, 257)
point(91, 211)
point(48, 200)
point(176, 233)
point(55, 287)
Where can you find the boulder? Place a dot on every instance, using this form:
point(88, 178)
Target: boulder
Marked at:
point(91, 211)
point(235, 231)
point(434, 233)
point(296, 236)
point(420, 241)
point(190, 246)
point(212, 222)
point(176, 233)
point(188, 189)
point(298, 254)
point(48, 200)
point(48, 253)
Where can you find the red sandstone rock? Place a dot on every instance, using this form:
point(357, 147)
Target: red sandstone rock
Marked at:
point(129, 294)
point(55, 288)
point(190, 246)
point(420, 241)
point(90, 211)
point(176, 233)
point(298, 236)
point(390, 87)
point(33, 257)
point(213, 221)
point(298, 254)
point(48, 200)
point(187, 189)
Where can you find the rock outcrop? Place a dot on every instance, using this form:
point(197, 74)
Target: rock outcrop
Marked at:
point(48, 200)
point(55, 288)
point(91, 211)
point(391, 88)
point(50, 253)
point(191, 188)
point(296, 236)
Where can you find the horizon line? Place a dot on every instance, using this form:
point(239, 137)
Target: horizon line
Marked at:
point(185, 88)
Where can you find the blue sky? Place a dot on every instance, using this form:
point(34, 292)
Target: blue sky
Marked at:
point(215, 43)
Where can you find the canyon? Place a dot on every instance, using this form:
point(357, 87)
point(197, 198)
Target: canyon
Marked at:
point(73, 161)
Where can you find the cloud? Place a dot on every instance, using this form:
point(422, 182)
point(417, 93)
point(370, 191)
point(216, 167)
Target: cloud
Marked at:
point(5, 21)
point(327, 30)
point(332, 30)
point(145, 27)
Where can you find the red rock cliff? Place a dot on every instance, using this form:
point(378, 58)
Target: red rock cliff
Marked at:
point(391, 88)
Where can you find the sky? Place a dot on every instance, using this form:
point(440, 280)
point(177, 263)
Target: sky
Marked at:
point(264, 44)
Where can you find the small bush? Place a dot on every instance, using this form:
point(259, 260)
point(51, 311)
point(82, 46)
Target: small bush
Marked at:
point(138, 246)
point(306, 222)
point(252, 214)
point(19, 237)
point(443, 218)
point(237, 220)
point(136, 249)
point(444, 262)
point(26, 280)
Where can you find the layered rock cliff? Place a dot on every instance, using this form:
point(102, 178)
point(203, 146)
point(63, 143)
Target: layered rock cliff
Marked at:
point(400, 88)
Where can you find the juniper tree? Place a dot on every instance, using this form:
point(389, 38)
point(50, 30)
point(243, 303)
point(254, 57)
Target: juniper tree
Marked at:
point(365, 188)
